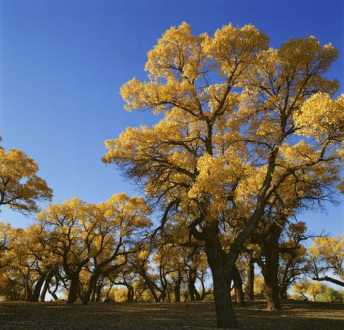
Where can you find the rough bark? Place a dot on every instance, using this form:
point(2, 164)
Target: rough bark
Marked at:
point(250, 279)
point(73, 289)
point(177, 288)
point(270, 268)
point(221, 273)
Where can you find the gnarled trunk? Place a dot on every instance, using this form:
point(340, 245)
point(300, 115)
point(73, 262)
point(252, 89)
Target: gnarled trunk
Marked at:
point(46, 285)
point(221, 274)
point(38, 287)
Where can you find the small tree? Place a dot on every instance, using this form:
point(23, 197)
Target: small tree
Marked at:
point(327, 254)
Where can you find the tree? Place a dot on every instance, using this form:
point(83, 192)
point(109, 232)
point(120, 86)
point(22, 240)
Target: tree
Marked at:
point(90, 242)
point(327, 254)
point(71, 236)
point(119, 225)
point(316, 291)
point(6, 236)
point(20, 186)
point(293, 262)
point(231, 109)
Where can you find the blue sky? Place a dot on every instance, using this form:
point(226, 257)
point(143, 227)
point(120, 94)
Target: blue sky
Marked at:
point(62, 64)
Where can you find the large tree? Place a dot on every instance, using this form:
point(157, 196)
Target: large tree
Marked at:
point(239, 121)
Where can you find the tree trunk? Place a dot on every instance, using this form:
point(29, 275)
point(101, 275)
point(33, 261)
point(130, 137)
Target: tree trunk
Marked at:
point(250, 280)
point(38, 287)
point(98, 292)
point(239, 293)
point(193, 293)
point(130, 296)
point(46, 285)
point(73, 289)
point(177, 288)
point(270, 268)
point(221, 274)
point(91, 291)
point(284, 293)
point(28, 290)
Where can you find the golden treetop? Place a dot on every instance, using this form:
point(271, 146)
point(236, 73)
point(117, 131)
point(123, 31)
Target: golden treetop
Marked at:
point(20, 186)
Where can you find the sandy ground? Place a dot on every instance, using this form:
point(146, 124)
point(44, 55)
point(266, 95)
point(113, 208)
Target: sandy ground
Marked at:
point(303, 316)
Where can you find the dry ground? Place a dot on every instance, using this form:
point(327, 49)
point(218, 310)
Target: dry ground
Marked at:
point(50, 316)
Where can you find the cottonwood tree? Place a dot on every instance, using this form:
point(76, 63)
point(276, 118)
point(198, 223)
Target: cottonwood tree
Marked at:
point(6, 236)
point(70, 226)
point(238, 120)
point(327, 255)
point(119, 227)
point(90, 241)
point(293, 263)
point(20, 186)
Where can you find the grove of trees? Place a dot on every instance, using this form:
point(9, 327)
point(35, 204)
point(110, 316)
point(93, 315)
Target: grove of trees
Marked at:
point(247, 137)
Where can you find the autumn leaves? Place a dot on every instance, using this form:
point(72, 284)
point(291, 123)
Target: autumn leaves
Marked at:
point(249, 135)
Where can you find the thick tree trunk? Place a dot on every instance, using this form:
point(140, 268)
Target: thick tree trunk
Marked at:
point(250, 280)
point(239, 293)
point(221, 274)
point(38, 287)
point(284, 293)
point(270, 269)
point(73, 289)
point(28, 291)
point(272, 293)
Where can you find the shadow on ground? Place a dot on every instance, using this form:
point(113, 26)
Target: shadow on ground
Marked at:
point(295, 315)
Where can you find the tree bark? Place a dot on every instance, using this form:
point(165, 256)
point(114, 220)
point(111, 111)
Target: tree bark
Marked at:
point(73, 289)
point(38, 287)
point(92, 287)
point(221, 274)
point(177, 288)
point(270, 268)
point(239, 293)
point(46, 285)
point(131, 293)
point(250, 279)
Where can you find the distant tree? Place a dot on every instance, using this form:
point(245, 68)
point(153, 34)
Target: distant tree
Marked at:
point(327, 255)
point(20, 186)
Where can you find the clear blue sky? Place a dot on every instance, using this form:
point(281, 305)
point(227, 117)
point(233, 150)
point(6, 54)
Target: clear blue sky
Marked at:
point(62, 64)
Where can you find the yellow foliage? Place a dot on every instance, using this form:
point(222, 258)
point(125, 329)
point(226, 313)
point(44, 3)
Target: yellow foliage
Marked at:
point(231, 110)
point(20, 186)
